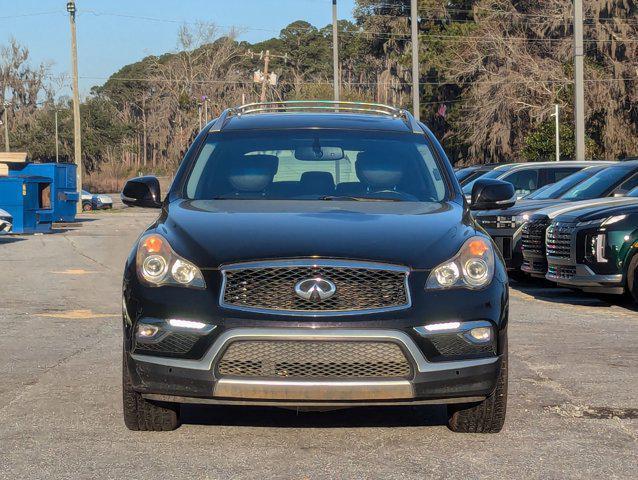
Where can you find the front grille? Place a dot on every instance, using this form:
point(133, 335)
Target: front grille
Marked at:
point(313, 359)
point(455, 345)
point(534, 266)
point(533, 237)
point(171, 343)
point(358, 288)
point(565, 272)
point(559, 240)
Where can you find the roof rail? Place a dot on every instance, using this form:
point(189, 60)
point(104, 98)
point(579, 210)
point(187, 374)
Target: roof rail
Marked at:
point(317, 106)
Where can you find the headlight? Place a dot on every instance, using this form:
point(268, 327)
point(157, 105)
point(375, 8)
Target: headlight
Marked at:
point(158, 264)
point(472, 267)
point(521, 219)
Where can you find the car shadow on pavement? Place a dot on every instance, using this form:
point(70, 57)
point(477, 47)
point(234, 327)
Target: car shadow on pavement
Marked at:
point(5, 240)
point(269, 417)
point(549, 292)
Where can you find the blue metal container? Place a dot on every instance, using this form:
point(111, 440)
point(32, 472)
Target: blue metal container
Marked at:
point(64, 194)
point(28, 200)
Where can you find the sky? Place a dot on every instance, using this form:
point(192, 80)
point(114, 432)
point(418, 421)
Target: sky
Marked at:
point(108, 39)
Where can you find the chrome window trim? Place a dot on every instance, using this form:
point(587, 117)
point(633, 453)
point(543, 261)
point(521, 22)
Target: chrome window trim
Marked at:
point(206, 363)
point(310, 262)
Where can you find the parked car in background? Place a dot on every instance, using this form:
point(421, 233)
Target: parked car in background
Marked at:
point(529, 177)
point(596, 248)
point(466, 175)
point(6, 221)
point(92, 201)
point(505, 225)
point(605, 188)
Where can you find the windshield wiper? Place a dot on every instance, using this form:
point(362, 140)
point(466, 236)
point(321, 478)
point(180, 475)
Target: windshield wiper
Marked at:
point(337, 198)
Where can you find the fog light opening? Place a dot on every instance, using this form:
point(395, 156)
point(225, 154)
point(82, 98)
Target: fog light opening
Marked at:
point(481, 334)
point(147, 331)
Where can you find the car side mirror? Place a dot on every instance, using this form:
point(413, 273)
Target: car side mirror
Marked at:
point(489, 194)
point(142, 192)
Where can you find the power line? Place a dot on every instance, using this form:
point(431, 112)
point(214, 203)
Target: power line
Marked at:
point(35, 14)
point(406, 35)
point(237, 82)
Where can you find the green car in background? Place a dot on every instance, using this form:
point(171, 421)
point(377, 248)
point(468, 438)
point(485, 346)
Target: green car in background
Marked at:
point(596, 248)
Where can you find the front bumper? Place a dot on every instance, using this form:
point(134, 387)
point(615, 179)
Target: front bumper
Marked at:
point(5, 225)
point(566, 272)
point(197, 381)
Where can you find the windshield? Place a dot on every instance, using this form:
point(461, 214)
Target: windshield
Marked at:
point(599, 185)
point(467, 188)
point(316, 165)
point(555, 190)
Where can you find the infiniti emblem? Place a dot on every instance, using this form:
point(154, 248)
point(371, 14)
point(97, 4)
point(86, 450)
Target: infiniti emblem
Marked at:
point(315, 289)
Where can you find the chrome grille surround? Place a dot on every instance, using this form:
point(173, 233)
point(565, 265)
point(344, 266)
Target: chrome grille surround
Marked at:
point(558, 240)
point(304, 359)
point(268, 287)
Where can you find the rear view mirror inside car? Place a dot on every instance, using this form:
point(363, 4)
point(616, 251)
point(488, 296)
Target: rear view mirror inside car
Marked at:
point(318, 153)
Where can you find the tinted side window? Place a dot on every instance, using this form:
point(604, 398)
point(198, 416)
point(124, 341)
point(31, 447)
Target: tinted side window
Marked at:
point(524, 181)
point(553, 175)
point(629, 184)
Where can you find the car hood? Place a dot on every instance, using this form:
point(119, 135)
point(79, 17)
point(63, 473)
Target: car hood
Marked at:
point(213, 233)
point(553, 212)
point(521, 206)
point(598, 212)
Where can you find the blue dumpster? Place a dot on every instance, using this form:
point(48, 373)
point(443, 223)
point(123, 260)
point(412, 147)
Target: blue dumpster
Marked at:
point(64, 195)
point(28, 200)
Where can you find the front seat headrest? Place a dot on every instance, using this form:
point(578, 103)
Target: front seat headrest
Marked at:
point(253, 173)
point(378, 171)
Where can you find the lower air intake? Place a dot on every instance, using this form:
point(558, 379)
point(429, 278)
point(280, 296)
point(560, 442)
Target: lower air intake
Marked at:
point(314, 360)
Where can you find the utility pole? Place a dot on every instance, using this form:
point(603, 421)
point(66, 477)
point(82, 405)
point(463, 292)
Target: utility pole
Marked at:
point(199, 112)
point(415, 60)
point(205, 110)
point(264, 84)
point(77, 132)
point(579, 80)
point(335, 50)
point(57, 142)
point(557, 115)
point(5, 121)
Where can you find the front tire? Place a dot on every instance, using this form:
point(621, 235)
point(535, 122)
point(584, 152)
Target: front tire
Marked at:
point(632, 278)
point(487, 416)
point(87, 207)
point(142, 414)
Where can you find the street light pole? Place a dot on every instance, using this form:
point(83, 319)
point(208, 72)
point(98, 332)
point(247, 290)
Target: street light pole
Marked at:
point(5, 121)
point(557, 115)
point(77, 132)
point(415, 60)
point(335, 51)
point(579, 80)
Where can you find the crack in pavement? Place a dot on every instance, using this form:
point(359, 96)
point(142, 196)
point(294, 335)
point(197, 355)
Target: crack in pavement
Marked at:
point(76, 249)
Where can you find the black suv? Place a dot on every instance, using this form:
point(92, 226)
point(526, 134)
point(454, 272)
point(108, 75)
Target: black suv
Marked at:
point(606, 188)
point(315, 255)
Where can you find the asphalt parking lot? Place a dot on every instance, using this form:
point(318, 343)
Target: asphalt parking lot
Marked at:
point(572, 413)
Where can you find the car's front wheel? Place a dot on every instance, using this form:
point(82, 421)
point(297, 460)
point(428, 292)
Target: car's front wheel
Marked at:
point(142, 414)
point(487, 416)
point(632, 278)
